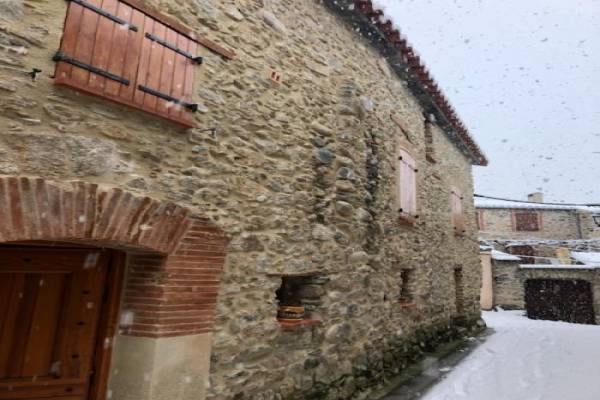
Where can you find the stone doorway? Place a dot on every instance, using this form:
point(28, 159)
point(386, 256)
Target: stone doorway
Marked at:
point(560, 300)
point(173, 261)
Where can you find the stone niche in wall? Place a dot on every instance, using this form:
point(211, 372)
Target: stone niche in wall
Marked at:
point(299, 298)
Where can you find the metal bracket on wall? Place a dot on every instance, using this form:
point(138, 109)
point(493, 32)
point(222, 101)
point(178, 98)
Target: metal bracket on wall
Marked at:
point(196, 59)
point(105, 14)
point(190, 106)
point(60, 56)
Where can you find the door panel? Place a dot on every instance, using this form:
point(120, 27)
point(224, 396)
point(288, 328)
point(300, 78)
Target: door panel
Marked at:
point(51, 302)
point(560, 300)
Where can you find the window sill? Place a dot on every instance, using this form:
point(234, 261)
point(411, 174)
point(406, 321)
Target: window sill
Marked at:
point(407, 304)
point(430, 158)
point(298, 325)
point(407, 219)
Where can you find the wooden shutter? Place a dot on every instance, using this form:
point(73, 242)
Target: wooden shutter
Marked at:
point(407, 183)
point(526, 221)
point(458, 219)
point(118, 51)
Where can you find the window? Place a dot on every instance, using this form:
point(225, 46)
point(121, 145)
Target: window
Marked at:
point(527, 221)
point(527, 253)
point(406, 183)
point(458, 290)
point(406, 294)
point(480, 221)
point(130, 54)
point(596, 219)
point(296, 299)
point(458, 220)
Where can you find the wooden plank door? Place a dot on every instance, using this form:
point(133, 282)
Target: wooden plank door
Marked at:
point(50, 304)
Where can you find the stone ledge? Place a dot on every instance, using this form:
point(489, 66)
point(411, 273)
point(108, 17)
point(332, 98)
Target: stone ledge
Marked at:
point(298, 325)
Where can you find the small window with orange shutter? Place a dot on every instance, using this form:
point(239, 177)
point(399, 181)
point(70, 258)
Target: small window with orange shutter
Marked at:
point(127, 52)
point(406, 183)
point(458, 218)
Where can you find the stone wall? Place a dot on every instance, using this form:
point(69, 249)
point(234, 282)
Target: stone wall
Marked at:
point(299, 174)
point(508, 285)
point(589, 228)
point(555, 224)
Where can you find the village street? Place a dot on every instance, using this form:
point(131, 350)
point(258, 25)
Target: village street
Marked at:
point(527, 360)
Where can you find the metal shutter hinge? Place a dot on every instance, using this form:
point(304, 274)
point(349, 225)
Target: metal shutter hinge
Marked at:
point(196, 59)
point(60, 56)
point(190, 106)
point(105, 14)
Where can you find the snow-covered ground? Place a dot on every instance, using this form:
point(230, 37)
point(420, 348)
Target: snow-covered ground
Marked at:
point(527, 360)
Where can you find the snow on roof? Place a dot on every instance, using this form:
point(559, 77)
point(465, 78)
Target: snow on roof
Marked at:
point(482, 202)
point(586, 258)
point(557, 266)
point(501, 256)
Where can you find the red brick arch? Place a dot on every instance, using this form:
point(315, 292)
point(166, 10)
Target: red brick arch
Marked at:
point(175, 258)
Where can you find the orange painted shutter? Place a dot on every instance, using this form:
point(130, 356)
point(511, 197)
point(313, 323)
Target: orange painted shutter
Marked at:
point(407, 183)
point(112, 49)
point(457, 211)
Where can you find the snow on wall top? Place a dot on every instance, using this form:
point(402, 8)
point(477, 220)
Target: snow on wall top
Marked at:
point(501, 256)
point(481, 202)
point(557, 266)
point(586, 258)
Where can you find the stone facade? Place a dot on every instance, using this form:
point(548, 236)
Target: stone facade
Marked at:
point(300, 175)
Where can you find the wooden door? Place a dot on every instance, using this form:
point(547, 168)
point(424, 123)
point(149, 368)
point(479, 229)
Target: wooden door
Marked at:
point(50, 304)
point(560, 300)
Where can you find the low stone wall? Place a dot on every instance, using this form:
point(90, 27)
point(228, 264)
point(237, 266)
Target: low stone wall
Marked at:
point(379, 361)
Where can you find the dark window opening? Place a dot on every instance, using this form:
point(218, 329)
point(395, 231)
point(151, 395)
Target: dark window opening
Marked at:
point(298, 297)
point(527, 221)
point(596, 220)
point(406, 290)
point(527, 253)
point(458, 290)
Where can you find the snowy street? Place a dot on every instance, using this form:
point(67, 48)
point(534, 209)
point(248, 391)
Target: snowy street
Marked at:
point(527, 360)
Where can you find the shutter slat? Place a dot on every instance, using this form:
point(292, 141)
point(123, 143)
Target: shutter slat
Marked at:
point(181, 63)
point(167, 73)
point(144, 63)
point(69, 39)
point(85, 43)
point(132, 57)
point(188, 85)
point(120, 42)
point(102, 45)
point(155, 66)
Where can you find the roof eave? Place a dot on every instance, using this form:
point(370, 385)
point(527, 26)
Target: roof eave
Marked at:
point(408, 66)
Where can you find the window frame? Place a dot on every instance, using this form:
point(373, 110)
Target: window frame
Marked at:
point(457, 215)
point(480, 220)
point(407, 217)
point(515, 222)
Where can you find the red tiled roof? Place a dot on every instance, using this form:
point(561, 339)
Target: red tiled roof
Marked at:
point(423, 83)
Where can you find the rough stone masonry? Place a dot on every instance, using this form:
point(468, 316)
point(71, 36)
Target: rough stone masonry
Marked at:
point(300, 175)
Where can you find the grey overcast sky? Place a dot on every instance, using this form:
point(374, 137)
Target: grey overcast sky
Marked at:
point(524, 75)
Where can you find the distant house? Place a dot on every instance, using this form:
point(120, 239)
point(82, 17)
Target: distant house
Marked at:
point(541, 257)
point(534, 219)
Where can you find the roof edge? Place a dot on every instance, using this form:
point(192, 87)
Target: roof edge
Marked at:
point(407, 64)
